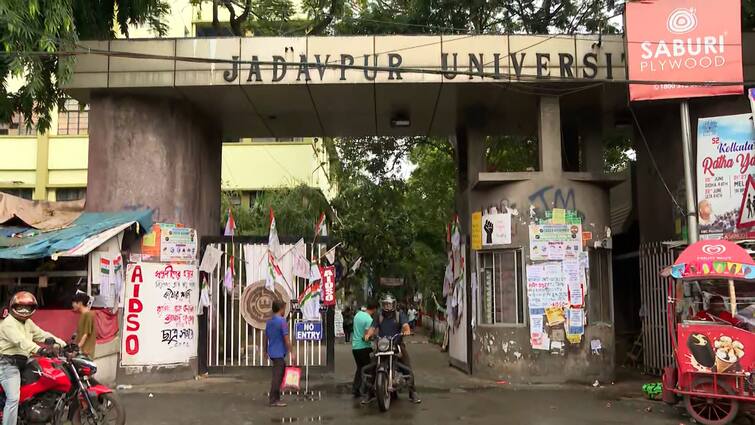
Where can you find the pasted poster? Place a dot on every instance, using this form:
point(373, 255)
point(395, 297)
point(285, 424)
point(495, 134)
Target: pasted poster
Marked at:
point(714, 348)
point(555, 241)
point(496, 229)
point(177, 244)
point(547, 296)
point(725, 157)
point(160, 325)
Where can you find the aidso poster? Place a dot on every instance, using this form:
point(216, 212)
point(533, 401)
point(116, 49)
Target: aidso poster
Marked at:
point(160, 325)
point(725, 157)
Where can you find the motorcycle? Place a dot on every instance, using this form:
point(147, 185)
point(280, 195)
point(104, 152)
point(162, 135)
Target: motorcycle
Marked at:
point(391, 376)
point(61, 387)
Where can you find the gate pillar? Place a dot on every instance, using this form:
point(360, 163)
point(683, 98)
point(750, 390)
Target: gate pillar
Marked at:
point(158, 153)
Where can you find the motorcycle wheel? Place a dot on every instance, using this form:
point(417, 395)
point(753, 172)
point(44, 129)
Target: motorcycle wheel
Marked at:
point(111, 411)
point(382, 392)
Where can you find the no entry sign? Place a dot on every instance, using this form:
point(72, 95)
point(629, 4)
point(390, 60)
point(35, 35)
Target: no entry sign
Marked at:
point(308, 331)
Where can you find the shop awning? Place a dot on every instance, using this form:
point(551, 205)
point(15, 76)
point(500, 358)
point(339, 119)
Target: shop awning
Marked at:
point(86, 233)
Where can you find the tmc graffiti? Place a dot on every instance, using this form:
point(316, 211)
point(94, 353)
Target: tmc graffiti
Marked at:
point(549, 197)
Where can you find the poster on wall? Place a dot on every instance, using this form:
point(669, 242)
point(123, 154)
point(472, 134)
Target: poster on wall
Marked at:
point(555, 241)
point(548, 297)
point(496, 229)
point(678, 41)
point(725, 159)
point(476, 231)
point(160, 325)
point(177, 244)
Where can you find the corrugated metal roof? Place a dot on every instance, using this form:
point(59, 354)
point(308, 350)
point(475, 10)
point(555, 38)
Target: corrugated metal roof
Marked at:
point(34, 244)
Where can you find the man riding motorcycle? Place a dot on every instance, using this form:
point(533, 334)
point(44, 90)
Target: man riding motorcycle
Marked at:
point(387, 323)
point(18, 335)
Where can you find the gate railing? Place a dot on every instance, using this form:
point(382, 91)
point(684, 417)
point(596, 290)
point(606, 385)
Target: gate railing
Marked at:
point(231, 342)
point(657, 352)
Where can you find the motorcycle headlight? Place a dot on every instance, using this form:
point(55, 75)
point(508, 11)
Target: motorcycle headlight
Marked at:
point(383, 344)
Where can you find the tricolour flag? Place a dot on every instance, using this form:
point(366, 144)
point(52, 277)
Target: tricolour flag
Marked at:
point(321, 228)
point(230, 225)
point(104, 266)
point(228, 278)
point(331, 255)
point(309, 302)
point(273, 243)
point(274, 273)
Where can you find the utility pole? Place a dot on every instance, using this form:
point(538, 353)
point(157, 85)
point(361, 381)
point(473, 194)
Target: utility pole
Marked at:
point(689, 184)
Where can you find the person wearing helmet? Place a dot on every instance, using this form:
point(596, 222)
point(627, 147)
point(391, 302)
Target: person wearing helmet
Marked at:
point(387, 323)
point(18, 338)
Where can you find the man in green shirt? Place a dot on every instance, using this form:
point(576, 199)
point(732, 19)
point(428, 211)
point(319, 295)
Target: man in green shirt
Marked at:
point(359, 347)
point(86, 333)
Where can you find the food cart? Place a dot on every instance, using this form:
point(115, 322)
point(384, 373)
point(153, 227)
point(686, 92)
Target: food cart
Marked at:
point(713, 360)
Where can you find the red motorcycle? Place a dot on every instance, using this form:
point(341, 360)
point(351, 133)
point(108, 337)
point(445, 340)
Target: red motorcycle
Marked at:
point(59, 388)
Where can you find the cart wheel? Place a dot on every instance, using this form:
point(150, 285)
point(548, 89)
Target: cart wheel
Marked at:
point(707, 409)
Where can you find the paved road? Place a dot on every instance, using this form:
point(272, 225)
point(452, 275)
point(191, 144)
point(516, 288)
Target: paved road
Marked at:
point(449, 397)
point(536, 407)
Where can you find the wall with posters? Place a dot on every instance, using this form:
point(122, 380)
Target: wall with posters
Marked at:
point(555, 223)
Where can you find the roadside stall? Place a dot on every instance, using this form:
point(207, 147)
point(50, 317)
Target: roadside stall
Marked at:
point(710, 316)
point(53, 249)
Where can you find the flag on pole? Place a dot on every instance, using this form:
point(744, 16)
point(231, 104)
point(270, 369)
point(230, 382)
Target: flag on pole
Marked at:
point(331, 255)
point(309, 302)
point(228, 279)
point(230, 225)
point(273, 243)
point(314, 273)
point(455, 234)
point(274, 273)
point(321, 229)
point(301, 264)
point(357, 263)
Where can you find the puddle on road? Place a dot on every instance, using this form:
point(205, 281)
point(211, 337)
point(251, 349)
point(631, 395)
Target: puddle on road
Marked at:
point(303, 419)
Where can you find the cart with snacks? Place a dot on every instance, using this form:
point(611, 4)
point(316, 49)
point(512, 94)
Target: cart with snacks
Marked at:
point(713, 358)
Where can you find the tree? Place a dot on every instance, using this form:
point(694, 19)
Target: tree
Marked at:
point(34, 32)
point(296, 210)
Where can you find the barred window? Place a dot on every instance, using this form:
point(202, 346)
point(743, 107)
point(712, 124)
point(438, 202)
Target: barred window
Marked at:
point(501, 286)
point(73, 119)
point(70, 194)
point(17, 126)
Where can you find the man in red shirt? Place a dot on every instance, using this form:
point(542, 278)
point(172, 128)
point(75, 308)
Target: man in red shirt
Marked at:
point(716, 312)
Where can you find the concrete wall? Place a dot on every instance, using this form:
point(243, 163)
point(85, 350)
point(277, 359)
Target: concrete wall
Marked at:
point(157, 153)
point(503, 351)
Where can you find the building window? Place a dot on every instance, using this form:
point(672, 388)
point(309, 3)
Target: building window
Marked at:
point(501, 286)
point(205, 29)
point(70, 194)
point(17, 127)
point(73, 119)
point(21, 193)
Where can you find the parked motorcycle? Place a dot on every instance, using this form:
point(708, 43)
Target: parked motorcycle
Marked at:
point(391, 376)
point(60, 386)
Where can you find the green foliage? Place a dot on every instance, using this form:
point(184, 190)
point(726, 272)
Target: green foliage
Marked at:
point(397, 225)
point(32, 32)
point(296, 211)
point(511, 153)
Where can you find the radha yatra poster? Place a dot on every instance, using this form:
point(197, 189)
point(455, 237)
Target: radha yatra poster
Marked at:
point(725, 158)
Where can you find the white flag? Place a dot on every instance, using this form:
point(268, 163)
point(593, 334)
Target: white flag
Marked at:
point(228, 278)
point(314, 273)
point(210, 259)
point(331, 255)
point(273, 243)
point(357, 263)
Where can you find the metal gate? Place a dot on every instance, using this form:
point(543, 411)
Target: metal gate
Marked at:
point(657, 352)
point(231, 341)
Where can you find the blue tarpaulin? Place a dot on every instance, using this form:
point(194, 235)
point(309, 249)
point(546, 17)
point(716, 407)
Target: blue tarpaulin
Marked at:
point(33, 243)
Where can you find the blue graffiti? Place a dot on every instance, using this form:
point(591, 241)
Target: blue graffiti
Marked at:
point(568, 201)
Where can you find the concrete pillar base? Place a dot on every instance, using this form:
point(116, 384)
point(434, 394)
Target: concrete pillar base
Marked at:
point(157, 153)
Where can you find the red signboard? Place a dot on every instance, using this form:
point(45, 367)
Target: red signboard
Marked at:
point(328, 285)
point(670, 42)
